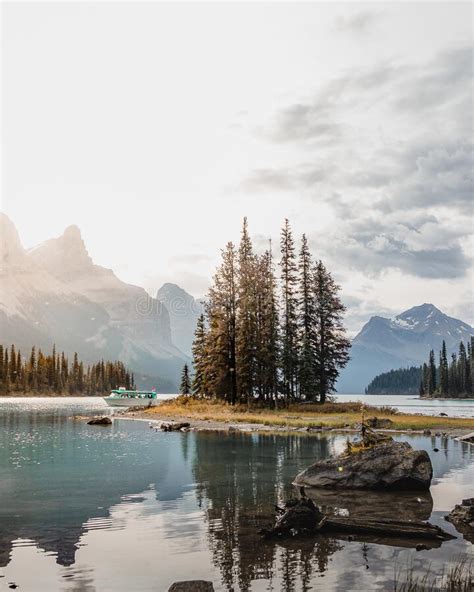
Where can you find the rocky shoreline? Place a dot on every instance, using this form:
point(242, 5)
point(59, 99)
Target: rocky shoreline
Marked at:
point(208, 425)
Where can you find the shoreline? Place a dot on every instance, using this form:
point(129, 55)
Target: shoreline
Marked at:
point(227, 426)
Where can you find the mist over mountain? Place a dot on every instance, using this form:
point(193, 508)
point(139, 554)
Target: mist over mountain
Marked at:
point(55, 293)
point(385, 344)
point(184, 311)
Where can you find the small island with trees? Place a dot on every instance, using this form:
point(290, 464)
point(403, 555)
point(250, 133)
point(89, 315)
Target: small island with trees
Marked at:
point(254, 345)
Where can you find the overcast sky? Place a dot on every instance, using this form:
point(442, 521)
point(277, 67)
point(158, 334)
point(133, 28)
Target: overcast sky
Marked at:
point(172, 122)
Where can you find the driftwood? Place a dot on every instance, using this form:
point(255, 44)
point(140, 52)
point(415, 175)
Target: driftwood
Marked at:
point(303, 517)
point(385, 528)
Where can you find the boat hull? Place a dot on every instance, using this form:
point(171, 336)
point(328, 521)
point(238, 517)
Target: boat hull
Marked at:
point(118, 402)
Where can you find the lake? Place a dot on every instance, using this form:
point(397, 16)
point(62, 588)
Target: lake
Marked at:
point(95, 509)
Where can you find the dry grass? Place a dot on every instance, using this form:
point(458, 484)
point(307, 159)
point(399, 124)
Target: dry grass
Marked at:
point(335, 415)
point(458, 578)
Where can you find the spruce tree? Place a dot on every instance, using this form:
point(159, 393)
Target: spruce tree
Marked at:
point(432, 374)
point(289, 316)
point(200, 361)
point(332, 344)
point(221, 337)
point(268, 330)
point(185, 387)
point(307, 324)
point(246, 321)
point(443, 370)
point(462, 369)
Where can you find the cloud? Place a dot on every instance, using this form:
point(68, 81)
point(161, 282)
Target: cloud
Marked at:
point(359, 22)
point(390, 150)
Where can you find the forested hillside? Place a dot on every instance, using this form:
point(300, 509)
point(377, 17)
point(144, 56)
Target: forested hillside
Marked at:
point(55, 374)
point(404, 381)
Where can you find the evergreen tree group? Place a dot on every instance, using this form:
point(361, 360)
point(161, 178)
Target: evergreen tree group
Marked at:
point(55, 373)
point(252, 344)
point(450, 378)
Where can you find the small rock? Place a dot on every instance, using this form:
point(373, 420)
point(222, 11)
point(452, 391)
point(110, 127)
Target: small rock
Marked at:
point(100, 421)
point(421, 547)
point(426, 432)
point(435, 449)
point(174, 427)
point(443, 414)
point(192, 586)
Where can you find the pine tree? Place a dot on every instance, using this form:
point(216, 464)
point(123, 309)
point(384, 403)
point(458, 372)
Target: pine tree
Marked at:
point(289, 318)
point(452, 377)
point(185, 387)
point(246, 323)
point(432, 374)
point(307, 323)
point(200, 361)
point(332, 344)
point(268, 337)
point(443, 370)
point(221, 341)
point(462, 369)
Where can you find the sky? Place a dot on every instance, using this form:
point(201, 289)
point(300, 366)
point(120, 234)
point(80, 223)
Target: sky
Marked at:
point(157, 127)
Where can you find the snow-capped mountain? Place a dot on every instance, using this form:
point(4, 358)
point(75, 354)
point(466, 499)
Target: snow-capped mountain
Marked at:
point(55, 294)
point(184, 311)
point(385, 344)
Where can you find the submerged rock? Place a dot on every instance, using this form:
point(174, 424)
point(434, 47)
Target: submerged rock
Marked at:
point(174, 427)
point(386, 465)
point(192, 586)
point(462, 516)
point(100, 421)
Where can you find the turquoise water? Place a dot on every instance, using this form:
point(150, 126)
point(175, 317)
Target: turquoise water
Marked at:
point(91, 508)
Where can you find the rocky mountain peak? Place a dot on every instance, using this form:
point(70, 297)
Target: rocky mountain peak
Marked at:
point(11, 249)
point(64, 255)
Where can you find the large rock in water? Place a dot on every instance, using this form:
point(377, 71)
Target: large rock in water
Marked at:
point(388, 465)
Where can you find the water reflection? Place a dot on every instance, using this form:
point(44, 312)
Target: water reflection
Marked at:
point(90, 508)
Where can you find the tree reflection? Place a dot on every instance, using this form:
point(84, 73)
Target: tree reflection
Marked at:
point(240, 477)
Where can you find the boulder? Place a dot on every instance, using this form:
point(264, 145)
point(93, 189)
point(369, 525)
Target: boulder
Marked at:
point(386, 465)
point(192, 586)
point(104, 420)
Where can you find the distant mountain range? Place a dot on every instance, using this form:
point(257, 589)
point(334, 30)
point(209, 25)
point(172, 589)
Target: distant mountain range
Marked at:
point(385, 344)
point(54, 293)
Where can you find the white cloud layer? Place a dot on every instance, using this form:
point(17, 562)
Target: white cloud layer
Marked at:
point(169, 123)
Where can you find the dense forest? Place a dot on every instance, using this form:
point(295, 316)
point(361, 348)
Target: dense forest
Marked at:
point(269, 340)
point(55, 374)
point(404, 381)
point(451, 378)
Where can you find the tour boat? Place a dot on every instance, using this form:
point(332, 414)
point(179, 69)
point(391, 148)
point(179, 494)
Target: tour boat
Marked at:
point(123, 398)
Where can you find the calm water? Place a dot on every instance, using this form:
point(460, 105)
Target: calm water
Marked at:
point(90, 508)
point(412, 404)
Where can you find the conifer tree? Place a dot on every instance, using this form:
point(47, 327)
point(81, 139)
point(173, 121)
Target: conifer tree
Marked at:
point(443, 370)
point(332, 344)
point(268, 332)
point(246, 322)
point(463, 369)
point(432, 374)
point(221, 342)
point(200, 361)
point(185, 387)
point(307, 324)
point(289, 318)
